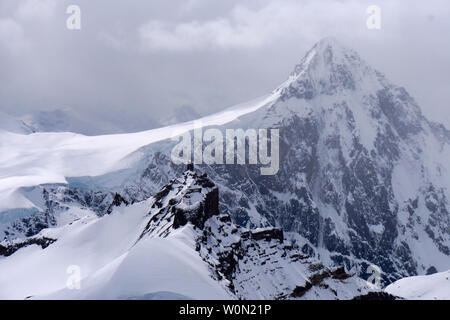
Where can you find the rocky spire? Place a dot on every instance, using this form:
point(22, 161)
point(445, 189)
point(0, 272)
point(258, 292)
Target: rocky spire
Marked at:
point(192, 198)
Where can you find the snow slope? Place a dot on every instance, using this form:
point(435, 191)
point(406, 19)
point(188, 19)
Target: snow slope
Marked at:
point(364, 176)
point(112, 264)
point(49, 158)
point(174, 245)
point(430, 287)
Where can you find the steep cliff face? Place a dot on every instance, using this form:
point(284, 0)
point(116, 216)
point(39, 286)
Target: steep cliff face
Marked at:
point(364, 177)
point(249, 264)
point(363, 174)
point(56, 206)
point(176, 244)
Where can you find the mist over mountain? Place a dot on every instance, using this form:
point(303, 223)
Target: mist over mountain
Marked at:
point(181, 114)
point(67, 120)
point(364, 180)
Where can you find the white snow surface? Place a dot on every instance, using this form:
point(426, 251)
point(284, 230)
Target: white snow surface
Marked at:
point(48, 158)
point(430, 287)
point(113, 264)
point(103, 254)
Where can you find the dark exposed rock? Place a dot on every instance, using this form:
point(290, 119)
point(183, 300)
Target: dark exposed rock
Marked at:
point(431, 270)
point(376, 296)
point(205, 210)
point(265, 234)
point(316, 267)
point(340, 274)
point(317, 278)
point(191, 199)
point(334, 187)
point(117, 202)
point(8, 249)
point(57, 200)
point(300, 291)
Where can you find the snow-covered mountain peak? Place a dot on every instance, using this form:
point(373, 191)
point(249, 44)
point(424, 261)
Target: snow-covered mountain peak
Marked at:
point(364, 159)
point(328, 68)
point(242, 260)
point(186, 249)
point(363, 180)
point(331, 45)
point(334, 83)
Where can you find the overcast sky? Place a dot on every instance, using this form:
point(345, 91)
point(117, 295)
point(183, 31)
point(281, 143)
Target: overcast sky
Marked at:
point(139, 59)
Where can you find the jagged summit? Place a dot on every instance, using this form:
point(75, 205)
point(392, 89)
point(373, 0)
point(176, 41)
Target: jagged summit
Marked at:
point(191, 198)
point(362, 171)
point(186, 248)
point(363, 180)
point(330, 67)
point(244, 261)
point(328, 52)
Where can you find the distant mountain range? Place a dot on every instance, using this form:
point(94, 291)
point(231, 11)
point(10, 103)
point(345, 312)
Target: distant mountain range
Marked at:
point(66, 120)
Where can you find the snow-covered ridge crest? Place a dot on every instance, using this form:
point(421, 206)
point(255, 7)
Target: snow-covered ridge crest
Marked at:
point(428, 287)
point(50, 158)
point(192, 198)
point(364, 176)
point(243, 261)
point(329, 68)
point(174, 245)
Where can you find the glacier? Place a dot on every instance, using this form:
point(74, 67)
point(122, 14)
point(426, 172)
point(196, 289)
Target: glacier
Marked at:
point(364, 177)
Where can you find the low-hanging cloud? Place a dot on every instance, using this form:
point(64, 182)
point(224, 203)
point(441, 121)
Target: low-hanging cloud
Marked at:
point(12, 29)
point(133, 60)
point(36, 9)
point(249, 28)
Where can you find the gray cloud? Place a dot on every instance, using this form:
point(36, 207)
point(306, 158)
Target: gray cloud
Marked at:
point(134, 61)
